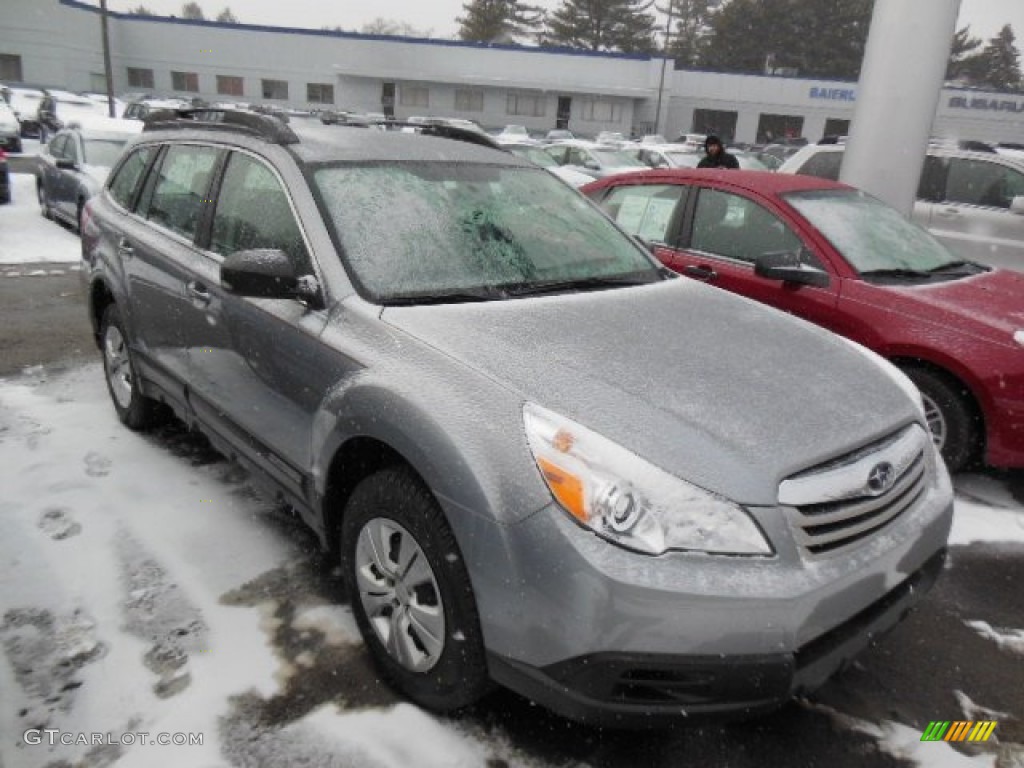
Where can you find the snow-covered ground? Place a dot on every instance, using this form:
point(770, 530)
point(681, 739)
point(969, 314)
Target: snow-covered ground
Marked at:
point(146, 587)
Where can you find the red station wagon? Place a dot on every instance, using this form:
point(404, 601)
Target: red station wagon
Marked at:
point(846, 261)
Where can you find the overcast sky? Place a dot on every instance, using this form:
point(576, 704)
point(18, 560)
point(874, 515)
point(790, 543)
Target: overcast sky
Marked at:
point(437, 17)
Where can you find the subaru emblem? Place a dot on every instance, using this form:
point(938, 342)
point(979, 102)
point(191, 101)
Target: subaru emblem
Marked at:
point(881, 478)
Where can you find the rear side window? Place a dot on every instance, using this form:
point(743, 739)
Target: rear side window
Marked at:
point(128, 176)
point(824, 165)
point(979, 182)
point(176, 194)
point(253, 212)
point(645, 211)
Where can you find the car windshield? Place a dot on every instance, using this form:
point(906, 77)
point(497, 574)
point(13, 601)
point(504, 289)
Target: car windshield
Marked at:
point(471, 232)
point(614, 157)
point(103, 152)
point(872, 236)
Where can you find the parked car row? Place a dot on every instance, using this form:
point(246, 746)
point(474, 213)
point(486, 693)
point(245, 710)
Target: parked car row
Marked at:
point(541, 458)
point(41, 112)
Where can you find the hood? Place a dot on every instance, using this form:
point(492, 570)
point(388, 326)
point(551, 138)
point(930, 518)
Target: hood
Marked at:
point(990, 304)
point(720, 390)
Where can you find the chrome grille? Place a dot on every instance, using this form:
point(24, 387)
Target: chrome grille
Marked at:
point(838, 504)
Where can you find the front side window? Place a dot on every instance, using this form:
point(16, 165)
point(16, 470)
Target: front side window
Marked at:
point(424, 231)
point(128, 176)
point(176, 193)
point(644, 210)
point(253, 212)
point(738, 228)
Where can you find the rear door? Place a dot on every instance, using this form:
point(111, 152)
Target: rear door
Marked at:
point(159, 256)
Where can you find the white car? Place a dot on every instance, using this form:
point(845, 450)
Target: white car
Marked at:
point(10, 129)
point(594, 160)
point(972, 201)
point(537, 155)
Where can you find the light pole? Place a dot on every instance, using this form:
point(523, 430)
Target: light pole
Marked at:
point(107, 70)
point(664, 61)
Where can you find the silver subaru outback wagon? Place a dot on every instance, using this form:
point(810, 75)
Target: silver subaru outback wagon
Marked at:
point(542, 460)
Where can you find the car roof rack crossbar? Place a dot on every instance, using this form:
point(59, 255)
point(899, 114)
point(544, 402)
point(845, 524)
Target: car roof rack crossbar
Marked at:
point(265, 126)
point(442, 130)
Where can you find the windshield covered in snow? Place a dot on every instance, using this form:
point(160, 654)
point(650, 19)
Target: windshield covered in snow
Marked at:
point(872, 236)
point(420, 232)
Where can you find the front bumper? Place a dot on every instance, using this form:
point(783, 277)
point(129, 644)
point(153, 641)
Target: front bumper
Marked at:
point(582, 625)
point(649, 690)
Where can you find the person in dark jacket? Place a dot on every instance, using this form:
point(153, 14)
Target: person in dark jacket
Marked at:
point(715, 155)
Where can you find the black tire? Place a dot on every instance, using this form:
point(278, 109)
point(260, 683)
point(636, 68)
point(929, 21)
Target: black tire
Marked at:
point(17, 145)
point(396, 507)
point(135, 410)
point(78, 215)
point(955, 428)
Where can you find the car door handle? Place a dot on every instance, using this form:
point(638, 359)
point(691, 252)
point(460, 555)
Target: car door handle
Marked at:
point(124, 248)
point(700, 272)
point(199, 292)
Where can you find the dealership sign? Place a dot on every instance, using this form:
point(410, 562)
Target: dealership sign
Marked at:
point(989, 105)
point(833, 94)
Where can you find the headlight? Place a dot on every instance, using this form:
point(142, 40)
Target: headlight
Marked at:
point(629, 501)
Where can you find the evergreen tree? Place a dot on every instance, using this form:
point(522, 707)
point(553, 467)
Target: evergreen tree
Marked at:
point(192, 11)
point(1000, 63)
point(817, 38)
point(603, 25)
point(227, 17)
point(963, 49)
point(498, 20)
point(688, 29)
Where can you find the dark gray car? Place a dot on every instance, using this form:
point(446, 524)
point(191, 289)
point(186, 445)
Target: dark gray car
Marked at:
point(542, 459)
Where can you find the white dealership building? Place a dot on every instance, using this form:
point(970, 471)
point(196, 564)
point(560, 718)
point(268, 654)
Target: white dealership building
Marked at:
point(58, 43)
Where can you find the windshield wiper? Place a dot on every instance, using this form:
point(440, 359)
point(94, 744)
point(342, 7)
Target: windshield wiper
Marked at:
point(896, 272)
point(586, 283)
point(454, 297)
point(959, 266)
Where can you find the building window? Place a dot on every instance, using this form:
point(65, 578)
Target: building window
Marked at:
point(527, 104)
point(777, 127)
point(599, 111)
point(319, 93)
point(275, 89)
point(185, 81)
point(230, 85)
point(717, 122)
point(835, 126)
point(140, 78)
point(415, 96)
point(10, 67)
point(469, 100)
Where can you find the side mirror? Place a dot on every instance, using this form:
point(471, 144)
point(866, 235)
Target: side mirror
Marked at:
point(1017, 205)
point(265, 273)
point(789, 267)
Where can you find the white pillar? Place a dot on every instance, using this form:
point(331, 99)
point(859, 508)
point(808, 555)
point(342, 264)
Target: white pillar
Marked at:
point(900, 82)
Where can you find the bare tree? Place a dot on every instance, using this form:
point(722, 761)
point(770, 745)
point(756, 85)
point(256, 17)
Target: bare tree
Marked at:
point(227, 17)
point(192, 11)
